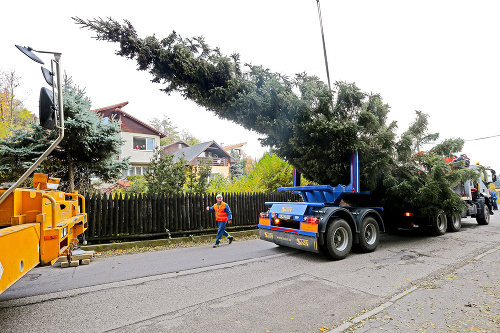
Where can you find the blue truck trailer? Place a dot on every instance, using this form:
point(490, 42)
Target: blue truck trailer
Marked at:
point(321, 223)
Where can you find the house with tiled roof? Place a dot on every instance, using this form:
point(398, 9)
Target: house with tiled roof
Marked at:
point(236, 148)
point(219, 159)
point(140, 139)
point(173, 147)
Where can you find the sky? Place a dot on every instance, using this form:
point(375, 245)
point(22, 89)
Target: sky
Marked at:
point(440, 57)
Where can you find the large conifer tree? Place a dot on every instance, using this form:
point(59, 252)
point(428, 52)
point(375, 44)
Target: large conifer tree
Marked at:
point(313, 128)
point(89, 147)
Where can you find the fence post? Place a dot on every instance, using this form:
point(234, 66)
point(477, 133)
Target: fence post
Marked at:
point(177, 216)
point(205, 216)
point(98, 216)
point(89, 200)
point(114, 221)
point(109, 215)
point(132, 217)
point(125, 218)
point(140, 213)
point(168, 213)
point(154, 212)
point(193, 211)
point(186, 219)
point(151, 220)
point(147, 213)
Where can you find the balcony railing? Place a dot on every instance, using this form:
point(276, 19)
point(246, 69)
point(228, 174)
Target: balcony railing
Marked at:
point(216, 161)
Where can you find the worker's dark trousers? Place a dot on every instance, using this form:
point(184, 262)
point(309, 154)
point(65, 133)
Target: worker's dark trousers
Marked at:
point(222, 231)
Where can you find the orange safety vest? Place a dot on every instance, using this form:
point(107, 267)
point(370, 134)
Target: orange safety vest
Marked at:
point(220, 213)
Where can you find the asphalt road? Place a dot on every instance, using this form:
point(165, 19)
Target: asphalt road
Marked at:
point(256, 286)
point(464, 300)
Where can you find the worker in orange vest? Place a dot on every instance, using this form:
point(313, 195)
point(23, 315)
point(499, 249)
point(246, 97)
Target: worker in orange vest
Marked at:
point(223, 216)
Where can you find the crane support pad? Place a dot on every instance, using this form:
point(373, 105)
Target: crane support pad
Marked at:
point(302, 242)
point(19, 246)
point(78, 255)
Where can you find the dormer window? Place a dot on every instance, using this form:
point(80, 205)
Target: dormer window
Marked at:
point(144, 143)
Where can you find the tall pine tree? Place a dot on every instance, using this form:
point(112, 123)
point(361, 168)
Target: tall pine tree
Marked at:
point(90, 144)
point(305, 123)
point(89, 147)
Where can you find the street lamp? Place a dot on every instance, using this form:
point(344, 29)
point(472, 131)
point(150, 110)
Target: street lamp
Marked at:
point(49, 118)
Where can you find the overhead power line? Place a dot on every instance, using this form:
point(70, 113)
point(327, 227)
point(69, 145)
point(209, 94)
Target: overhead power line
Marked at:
point(486, 137)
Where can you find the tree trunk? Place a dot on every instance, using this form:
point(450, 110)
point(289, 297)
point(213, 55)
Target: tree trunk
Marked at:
point(13, 83)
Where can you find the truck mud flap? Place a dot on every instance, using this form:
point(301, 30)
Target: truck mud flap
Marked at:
point(302, 242)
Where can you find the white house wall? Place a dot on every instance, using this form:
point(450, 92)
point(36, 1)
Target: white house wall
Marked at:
point(137, 157)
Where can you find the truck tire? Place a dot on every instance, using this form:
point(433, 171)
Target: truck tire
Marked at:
point(484, 219)
point(454, 221)
point(439, 224)
point(338, 239)
point(369, 235)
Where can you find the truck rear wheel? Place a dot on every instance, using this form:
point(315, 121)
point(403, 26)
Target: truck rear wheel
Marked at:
point(485, 218)
point(338, 239)
point(439, 223)
point(369, 235)
point(454, 221)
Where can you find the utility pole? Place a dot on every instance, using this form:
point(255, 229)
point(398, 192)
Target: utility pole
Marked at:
point(324, 46)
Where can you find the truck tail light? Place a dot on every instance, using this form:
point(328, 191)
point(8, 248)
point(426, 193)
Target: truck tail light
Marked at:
point(311, 219)
point(264, 215)
point(277, 221)
point(408, 214)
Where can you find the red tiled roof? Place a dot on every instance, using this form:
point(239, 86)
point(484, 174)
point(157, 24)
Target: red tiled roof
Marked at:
point(111, 107)
point(123, 183)
point(238, 145)
point(116, 109)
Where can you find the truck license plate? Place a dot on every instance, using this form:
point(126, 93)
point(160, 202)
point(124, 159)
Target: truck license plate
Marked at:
point(285, 216)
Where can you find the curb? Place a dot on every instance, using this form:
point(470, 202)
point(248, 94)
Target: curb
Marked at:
point(377, 310)
point(161, 242)
point(364, 316)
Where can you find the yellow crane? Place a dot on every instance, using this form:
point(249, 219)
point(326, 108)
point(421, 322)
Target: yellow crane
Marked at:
point(39, 224)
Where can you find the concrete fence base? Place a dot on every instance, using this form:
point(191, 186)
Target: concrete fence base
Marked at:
point(162, 242)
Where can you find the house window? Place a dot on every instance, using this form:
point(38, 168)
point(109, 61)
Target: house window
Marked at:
point(136, 170)
point(215, 175)
point(144, 143)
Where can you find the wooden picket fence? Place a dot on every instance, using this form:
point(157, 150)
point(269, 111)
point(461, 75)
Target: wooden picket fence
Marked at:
point(157, 215)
